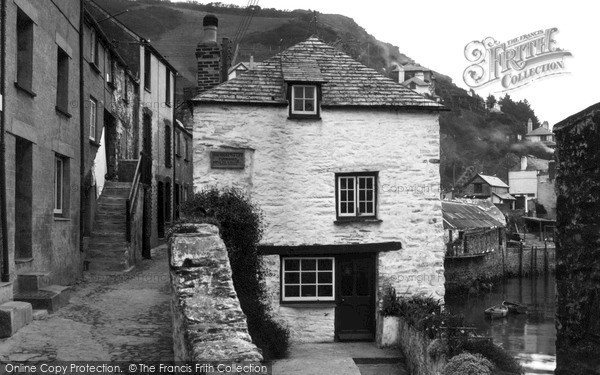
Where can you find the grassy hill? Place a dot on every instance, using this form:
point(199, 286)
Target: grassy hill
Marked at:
point(473, 138)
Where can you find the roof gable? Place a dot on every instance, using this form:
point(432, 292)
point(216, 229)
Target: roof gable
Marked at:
point(346, 82)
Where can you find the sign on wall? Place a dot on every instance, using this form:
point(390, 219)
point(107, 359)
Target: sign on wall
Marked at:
point(227, 160)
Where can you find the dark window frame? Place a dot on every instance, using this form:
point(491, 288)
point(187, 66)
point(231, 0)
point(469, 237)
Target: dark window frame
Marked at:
point(477, 188)
point(168, 147)
point(292, 113)
point(147, 70)
point(62, 81)
point(309, 299)
point(357, 215)
point(168, 87)
point(24, 52)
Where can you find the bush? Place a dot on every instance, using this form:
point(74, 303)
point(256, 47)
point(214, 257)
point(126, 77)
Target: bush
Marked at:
point(494, 353)
point(438, 348)
point(390, 305)
point(240, 222)
point(468, 364)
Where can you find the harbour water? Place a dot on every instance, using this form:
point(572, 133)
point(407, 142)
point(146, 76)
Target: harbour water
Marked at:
point(528, 337)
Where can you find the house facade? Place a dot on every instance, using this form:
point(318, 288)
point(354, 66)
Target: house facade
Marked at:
point(155, 114)
point(531, 182)
point(540, 134)
point(41, 131)
point(483, 187)
point(321, 144)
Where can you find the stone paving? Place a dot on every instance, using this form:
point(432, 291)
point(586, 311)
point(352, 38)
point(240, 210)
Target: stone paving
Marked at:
point(111, 317)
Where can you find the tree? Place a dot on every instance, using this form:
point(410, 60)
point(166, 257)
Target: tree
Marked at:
point(490, 101)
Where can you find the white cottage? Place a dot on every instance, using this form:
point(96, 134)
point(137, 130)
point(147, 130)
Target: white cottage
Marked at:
point(344, 164)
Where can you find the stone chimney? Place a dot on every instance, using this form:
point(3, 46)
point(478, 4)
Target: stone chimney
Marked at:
point(529, 126)
point(523, 163)
point(208, 55)
point(545, 125)
point(400, 70)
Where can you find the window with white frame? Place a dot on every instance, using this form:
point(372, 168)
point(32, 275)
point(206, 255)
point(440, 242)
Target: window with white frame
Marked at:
point(356, 195)
point(308, 279)
point(304, 100)
point(93, 118)
point(60, 176)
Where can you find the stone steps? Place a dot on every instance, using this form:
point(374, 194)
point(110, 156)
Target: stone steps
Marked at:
point(14, 315)
point(51, 297)
point(106, 264)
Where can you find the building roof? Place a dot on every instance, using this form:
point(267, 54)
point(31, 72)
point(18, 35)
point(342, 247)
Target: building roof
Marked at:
point(505, 196)
point(589, 112)
point(539, 131)
point(345, 82)
point(418, 81)
point(492, 180)
point(461, 215)
point(412, 68)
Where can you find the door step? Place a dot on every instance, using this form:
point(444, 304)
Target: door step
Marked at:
point(32, 281)
point(51, 297)
point(14, 315)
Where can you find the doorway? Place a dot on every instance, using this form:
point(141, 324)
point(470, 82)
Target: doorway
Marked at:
point(355, 297)
point(23, 198)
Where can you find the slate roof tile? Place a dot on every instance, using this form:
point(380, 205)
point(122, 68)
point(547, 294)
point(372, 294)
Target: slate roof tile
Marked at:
point(345, 82)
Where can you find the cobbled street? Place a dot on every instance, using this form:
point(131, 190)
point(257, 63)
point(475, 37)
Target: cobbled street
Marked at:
point(124, 317)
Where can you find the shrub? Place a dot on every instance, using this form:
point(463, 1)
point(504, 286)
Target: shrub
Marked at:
point(494, 353)
point(438, 348)
point(240, 222)
point(390, 305)
point(468, 364)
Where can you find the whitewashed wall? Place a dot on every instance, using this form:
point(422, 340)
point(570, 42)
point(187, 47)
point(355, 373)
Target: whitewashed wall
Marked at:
point(290, 168)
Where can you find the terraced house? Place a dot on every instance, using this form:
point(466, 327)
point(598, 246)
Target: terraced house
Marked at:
point(319, 141)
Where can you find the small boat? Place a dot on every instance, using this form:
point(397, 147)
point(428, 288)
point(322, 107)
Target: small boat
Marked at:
point(515, 308)
point(497, 311)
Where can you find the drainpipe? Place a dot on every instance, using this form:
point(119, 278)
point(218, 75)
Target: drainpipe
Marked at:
point(81, 129)
point(173, 192)
point(4, 218)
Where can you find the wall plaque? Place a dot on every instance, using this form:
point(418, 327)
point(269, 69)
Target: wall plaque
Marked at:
point(227, 160)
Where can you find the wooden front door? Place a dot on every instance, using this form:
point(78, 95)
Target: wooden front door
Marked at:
point(355, 297)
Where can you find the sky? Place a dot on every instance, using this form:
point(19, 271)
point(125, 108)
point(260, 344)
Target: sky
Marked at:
point(435, 34)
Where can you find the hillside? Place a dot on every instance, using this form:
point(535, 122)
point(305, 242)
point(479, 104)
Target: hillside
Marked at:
point(473, 138)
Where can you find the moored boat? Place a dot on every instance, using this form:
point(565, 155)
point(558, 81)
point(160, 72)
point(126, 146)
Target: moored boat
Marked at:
point(497, 311)
point(515, 308)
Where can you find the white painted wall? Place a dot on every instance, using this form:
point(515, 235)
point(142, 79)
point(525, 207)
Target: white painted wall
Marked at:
point(523, 182)
point(290, 168)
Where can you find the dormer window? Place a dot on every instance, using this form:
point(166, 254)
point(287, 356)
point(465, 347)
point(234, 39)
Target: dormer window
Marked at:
point(304, 100)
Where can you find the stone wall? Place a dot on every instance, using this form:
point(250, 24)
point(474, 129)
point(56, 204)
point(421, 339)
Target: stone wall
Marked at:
point(208, 322)
point(461, 273)
point(414, 345)
point(32, 118)
point(578, 243)
point(289, 172)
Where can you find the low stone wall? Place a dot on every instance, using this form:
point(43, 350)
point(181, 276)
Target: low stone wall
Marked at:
point(208, 322)
point(414, 345)
point(461, 273)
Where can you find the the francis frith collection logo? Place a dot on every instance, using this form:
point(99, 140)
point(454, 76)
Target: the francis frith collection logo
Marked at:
point(516, 62)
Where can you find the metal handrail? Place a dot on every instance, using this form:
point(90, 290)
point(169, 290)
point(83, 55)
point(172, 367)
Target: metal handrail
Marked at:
point(131, 200)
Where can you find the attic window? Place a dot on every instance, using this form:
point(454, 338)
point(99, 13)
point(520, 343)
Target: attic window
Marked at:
point(304, 100)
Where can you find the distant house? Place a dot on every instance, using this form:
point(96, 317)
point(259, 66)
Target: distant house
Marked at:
point(531, 181)
point(540, 134)
point(313, 136)
point(417, 78)
point(482, 187)
point(474, 228)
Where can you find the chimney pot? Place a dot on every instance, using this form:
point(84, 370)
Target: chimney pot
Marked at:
point(210, 23)
point(210, 20)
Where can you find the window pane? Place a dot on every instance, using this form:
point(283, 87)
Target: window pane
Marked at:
point(309, 92)
point(369, 195)
point(362, 279)
point(361, 207)
point(369, 208)
point(369, 183)
point(292, 264)
point(344, 208)
point(309, 106)
point(309, 264)
point(298, 92)
point(342, 183)
point(325, 264)
point(309, 291)
point(292, 291)
point(309, 277)
point(325, 277)
point(362, 182)
point(298, 105)
point(325, 291)
point(347, 278)
point(362, 195)
point(292, 278)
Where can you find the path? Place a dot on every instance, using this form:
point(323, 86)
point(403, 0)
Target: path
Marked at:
point(123, 317)
point(352, 358)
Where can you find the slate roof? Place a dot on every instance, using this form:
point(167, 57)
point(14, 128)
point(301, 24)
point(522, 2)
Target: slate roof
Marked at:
point(505, 196)
point(459, 215)
point(418, 81)
point(346, 82)
point(493, 181)
point(539, 131)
